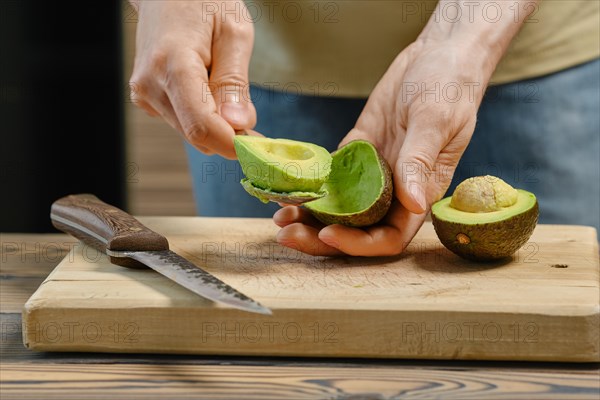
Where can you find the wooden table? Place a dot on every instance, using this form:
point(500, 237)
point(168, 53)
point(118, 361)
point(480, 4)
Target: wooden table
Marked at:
point(28, 258)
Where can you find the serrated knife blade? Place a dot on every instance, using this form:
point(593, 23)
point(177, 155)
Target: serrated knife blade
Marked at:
point(130, 244)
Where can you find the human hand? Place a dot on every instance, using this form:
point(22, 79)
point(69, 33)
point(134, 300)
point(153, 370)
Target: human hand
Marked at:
point(421, 116)
point(422, 136)
point(191, 68)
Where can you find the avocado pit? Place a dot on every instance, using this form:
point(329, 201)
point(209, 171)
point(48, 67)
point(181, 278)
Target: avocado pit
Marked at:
point(483, 194)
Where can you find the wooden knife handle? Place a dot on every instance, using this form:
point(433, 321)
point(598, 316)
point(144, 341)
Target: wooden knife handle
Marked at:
point(103, 227)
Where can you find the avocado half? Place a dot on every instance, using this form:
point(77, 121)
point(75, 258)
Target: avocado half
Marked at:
point(485, 219)
point(359, 187)
point(353, 186)
point(282, 165)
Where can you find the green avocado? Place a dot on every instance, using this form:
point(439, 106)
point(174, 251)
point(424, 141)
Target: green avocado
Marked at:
point(281, 165)
point(359, 188)
point(485, 219)
point(293, 198)
point(353, 186)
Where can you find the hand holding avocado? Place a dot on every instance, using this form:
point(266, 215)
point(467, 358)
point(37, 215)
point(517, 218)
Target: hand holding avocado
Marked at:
point(417, 121)
point(485, 219)
point(420, 134)
point(421, 138)
point(352, 187)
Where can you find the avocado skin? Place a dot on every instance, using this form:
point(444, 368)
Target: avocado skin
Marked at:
point(490, 241)
point(295, 198)
point(371, 215)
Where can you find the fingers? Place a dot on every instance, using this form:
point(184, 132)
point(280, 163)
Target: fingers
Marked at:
point(188, 90)
point(161, 102)
point(305, 238)
point(138, 98)
point(425, 138)
point(249, 132)
point(355, 134)
point(176, 45)
point(387, 239)
point(151, 111)
point(185, 103)
point(368, 126)
point(301, 232)
point(292, 214)
point(377, 241)
point(232, 48)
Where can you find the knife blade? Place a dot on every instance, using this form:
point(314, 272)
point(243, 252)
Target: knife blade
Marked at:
point(128, 243)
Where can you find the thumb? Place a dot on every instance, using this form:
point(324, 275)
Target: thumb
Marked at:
point(416, 166)
point(355, 134)
point(232, 49)
point(368, 121)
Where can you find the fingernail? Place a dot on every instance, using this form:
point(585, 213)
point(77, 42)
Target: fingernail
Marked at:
point(234, 113)
point(418, 195)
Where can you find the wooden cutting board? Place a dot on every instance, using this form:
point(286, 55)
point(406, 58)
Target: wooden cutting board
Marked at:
point(543, 304)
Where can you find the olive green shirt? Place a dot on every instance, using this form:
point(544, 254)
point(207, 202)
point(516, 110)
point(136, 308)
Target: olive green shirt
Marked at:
point(343, 47)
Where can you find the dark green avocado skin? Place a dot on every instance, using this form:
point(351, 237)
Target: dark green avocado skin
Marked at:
point(491, 241)
point(371, 215)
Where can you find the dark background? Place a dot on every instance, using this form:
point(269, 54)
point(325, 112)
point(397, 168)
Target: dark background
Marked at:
point(61, 108)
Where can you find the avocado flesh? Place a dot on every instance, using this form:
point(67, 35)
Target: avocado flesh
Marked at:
point(359, 187)
point(293, 198)
point(484, 236)
point(282, 165)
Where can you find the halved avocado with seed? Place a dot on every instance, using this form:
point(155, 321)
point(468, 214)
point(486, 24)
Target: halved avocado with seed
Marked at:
point(485, 219)
point(353, 186)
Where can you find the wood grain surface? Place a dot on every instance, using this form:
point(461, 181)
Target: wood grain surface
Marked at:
point(27, 259)
point(427, 303)
point(240, 382)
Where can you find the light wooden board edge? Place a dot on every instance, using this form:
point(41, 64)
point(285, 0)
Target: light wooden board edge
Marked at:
point(316, 333)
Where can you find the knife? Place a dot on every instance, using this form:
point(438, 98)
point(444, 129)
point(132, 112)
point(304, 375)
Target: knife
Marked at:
point(128, 243)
